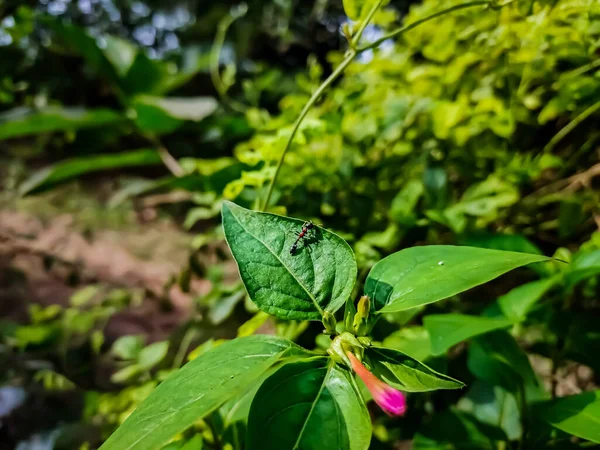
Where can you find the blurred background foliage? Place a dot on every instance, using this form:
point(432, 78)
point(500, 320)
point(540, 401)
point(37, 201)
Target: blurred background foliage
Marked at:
point(135, 119)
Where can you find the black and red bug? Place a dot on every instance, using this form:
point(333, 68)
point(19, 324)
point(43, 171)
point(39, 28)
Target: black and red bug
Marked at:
point(306, 228)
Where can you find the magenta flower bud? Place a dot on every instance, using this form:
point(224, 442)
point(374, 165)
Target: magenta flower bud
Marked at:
point(391, 400)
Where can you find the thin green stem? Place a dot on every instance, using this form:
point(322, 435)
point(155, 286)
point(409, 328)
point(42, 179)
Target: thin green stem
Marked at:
point(416, 23)
point(524, 412)
point(336, 73)
point(364, 23)
point(581, 70)
point(215, 54)
point(190, 334)
point(570, 127)
point(348, 59)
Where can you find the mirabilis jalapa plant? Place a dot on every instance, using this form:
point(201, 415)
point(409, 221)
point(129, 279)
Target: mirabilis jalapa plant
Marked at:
point(306, 399)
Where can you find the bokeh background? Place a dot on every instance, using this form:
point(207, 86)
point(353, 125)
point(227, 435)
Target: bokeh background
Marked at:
point(124, 124)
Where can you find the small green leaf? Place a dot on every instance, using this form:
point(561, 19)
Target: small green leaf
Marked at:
point(126, 374)
point(194, 443)
point(578, 415)
point(26, 121)
point(309, 405)
point(197, 389)
point(447, 330)
point(75, 167)
point(163, 115)
point(83, 296)
point(35, 334)
point(301, 286)
point(128, 347)
point(422, 275)
point(406, 373)
point(518, 302)
point(153, 354)
point(249, 327)
point(358, 9)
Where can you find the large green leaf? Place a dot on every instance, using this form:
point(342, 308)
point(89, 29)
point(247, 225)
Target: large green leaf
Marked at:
point(164, 115)
point(27, 121)
point(406, 373)
point(72, 168)
point(498, 359)
point(576, 414)
point(197, 389)
point(301, 286)
point(309, 405)
point(421, 275)
point(446, 330)
point(518, 302)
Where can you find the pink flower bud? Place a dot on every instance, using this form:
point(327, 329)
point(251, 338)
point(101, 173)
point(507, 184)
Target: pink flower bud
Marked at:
point(391, 400)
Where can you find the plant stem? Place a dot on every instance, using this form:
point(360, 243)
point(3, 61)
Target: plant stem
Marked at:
point(363, 25)
point(570, 127)
point(336, 73)
point(348, 59)
point(215, 54)
point(524, 413)
point(416, 23)
point(189, 335)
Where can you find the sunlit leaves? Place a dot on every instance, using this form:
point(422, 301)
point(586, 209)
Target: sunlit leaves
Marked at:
point(318, 277)
point(421, 275)
point(197, 389)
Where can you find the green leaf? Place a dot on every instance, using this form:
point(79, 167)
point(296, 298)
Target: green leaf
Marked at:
point(358, 9)
point(35, 334)
point(111, 60)
point(494, 406)
point(309, 405)
point(127, 373)
point(301, 286)
point(447, 330)
point(422, 275)
point(163, 115)
point(518, 302)
point(225, 306)
point(75, 167)
point(498, 359)
point(194, 443)
point(25, 121)
point(406, 373)
point(153, 354)
point(197, 389)
point(584, 266)
point(128, 347)
point(403, 204)
point(413, 341)
point(578, 415)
